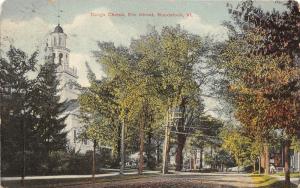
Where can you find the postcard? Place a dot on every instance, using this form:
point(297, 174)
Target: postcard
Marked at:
point(152, 93)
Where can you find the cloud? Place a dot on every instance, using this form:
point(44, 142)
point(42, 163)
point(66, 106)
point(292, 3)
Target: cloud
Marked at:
point(83, 32)
point(78, 60)
point(196, 25)
point(88, 29)
point(28, 35)
point(1, 3)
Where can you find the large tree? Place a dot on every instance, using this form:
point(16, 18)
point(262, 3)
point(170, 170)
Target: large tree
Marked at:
point(264, 64)
point(15, 89)
point(148, 78)
point(47, 110)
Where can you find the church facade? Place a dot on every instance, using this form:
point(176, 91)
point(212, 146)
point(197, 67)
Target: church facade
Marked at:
point(56, 49)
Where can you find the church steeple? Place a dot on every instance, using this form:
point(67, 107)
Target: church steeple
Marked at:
point(58, 52)
point(57, 46)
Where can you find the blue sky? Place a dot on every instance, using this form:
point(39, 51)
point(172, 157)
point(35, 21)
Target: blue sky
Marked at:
point(27, 23)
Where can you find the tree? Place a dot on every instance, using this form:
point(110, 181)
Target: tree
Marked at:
point(268, 51)
point(206, 134)
point(15, 89)
point(144, 82)
point(99, 112)
point(238, 146)
point(181, 54)
point(47, 108)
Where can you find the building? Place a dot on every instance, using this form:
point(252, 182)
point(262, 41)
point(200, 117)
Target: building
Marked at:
point(56, 49)
point(277, 159)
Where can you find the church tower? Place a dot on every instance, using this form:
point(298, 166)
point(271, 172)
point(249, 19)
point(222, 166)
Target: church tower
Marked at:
point(57, 51)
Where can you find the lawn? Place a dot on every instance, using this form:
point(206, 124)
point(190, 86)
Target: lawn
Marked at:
point(293, 175)
point(265, 181)
point(70, 182)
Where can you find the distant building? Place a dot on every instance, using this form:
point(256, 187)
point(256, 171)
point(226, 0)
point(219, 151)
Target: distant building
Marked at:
point(56, 49)
point(277, 159)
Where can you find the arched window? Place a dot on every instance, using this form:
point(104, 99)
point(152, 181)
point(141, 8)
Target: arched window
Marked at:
point(55, 42)
point(60, 58)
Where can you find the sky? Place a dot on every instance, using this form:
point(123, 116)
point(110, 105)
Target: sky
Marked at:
point(27, 23)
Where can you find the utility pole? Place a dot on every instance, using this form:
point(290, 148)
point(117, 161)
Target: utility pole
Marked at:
point(23, 151)
point(166, 146)
point(1, 100)
point(122, 148)
point(94, 161)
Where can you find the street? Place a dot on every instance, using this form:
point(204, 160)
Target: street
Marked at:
point(150, 179)
point(181, 180)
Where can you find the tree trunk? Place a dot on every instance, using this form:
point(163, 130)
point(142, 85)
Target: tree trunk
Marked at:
point(254, 166)
point(94, 162)
point(181, 138)
point(166, 150)
point(117, 153)
point(287, 182)
point(238, 166)
point(122, 148)
point(149, 148)
point(195, 159)
point(201, 158)
point(259, 165)
point(157, 154)
point(141, 159)
point(211, 156)
point(192, 163)
point(267, 159)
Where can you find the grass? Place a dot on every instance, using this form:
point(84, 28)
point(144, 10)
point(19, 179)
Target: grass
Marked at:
point(71, 182)
point(293, 175)
point(265, 181)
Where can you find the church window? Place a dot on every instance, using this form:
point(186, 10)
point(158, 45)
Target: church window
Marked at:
point(85, 141)
point(55, 42)
point(60, 58)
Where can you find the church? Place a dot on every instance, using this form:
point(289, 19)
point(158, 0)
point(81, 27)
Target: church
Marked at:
point(56, 49)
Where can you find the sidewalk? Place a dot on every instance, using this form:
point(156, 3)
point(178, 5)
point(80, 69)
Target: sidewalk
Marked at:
point(111, 174)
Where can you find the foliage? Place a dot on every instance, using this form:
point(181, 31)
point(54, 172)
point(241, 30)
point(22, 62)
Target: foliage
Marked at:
point(237, 145)
point(47, 110)
point(15, 88)
point(30, 114)
point(261, 61)
point(154, 74)
point(208, 133)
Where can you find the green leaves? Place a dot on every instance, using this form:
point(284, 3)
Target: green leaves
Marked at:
point(30, 109)
point(237, 145)
point(154, 73)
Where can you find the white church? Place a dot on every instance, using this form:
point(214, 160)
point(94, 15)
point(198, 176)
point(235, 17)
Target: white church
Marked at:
point(56, 48)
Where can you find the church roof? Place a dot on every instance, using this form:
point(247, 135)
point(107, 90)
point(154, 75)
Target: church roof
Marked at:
point(58, 29)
